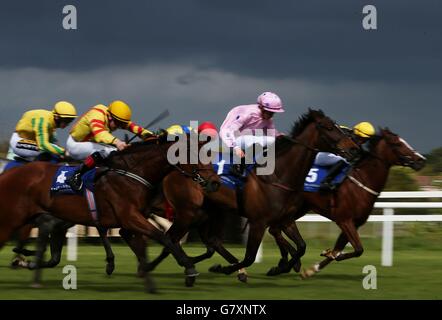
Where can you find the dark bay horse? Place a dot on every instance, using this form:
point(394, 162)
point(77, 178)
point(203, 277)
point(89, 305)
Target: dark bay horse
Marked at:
point(265, 201)
point(351, 204)
point(120, 197)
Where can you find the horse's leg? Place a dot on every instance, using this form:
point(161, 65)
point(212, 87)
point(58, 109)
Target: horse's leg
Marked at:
point(175, 235)
point(256, 233)
point(214, 243)
point(284, 247)
point(44, 230)
point(138, 224)
point(58, 235)
point(292, 231)
point(350, 230)
point(110, 258)
point(339, 246)
point(138, 246)
point(20, 251)
point(203, 231)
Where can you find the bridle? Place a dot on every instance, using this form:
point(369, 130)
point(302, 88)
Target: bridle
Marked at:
point(321, 128)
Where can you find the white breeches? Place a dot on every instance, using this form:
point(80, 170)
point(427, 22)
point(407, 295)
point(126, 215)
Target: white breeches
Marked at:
point(26, 149)
point(80, 150)
point(246, 142)
point(327, 159)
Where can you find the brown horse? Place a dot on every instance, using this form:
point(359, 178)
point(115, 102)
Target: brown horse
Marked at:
point(122, 193)
point(351, 204)
point(265, 201)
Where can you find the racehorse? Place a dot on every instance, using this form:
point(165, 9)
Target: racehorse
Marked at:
point(351, 204)
point(121, 193)
point(265, 201)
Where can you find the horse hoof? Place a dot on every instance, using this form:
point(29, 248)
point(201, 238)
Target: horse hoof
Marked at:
point(305, 274)
point(216, 268)
point(110, 269)
point(297, 266)
point(242, 277)
point(274, 271)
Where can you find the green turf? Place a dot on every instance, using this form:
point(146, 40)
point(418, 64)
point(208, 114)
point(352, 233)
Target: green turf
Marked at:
point(416, 274)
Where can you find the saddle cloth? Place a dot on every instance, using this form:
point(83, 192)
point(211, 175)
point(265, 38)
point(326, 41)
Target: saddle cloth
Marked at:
point(317, 174)
point(59, 185)
point(223, 167)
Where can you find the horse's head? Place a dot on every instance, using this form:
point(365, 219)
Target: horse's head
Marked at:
point(398, 152)
point(331, 137)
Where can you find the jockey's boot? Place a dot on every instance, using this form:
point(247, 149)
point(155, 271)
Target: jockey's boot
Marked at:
point(75, 181)
point(327, 184)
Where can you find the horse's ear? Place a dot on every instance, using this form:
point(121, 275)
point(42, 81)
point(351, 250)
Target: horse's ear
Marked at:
point(316, 113)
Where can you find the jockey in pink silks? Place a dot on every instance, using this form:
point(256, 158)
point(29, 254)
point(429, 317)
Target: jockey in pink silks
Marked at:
point(238, 129)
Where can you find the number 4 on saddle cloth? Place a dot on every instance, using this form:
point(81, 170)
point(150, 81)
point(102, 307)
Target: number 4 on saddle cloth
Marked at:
point(318, 173)
point(59, 186)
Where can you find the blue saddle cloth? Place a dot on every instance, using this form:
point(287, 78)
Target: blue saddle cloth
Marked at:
point(13, 164)
point(59, 185)
point(317, 174)
point(223, 168)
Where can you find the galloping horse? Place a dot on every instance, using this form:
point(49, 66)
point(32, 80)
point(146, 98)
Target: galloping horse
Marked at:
point(122, 193)
point(265, 201)
point(351, 204)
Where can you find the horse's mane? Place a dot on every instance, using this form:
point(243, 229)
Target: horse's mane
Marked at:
point(282, 143)
point(373, 142)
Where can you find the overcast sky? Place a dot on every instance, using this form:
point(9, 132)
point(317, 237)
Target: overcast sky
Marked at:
point(200, 58)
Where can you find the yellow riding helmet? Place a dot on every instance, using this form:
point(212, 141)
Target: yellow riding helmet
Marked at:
point(120, 111)
point(65, 109)
point(364, 129)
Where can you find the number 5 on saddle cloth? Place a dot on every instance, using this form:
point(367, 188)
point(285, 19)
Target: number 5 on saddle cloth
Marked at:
point(317, 174)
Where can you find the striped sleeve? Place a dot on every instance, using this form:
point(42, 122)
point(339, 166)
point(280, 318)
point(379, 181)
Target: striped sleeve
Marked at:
point(41, 128)
point(139, 131)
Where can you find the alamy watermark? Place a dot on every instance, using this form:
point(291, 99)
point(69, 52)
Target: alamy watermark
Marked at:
point(70, 17)
point(70, 280)
point(370, 280)
point(370, 20)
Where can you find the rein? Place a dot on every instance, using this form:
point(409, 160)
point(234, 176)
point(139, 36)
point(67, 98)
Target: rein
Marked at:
point(196, 176)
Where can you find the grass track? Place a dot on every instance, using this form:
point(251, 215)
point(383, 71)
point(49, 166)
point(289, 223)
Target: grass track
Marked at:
point(416, 274)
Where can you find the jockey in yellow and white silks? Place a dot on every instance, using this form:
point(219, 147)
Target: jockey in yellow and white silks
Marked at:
point(35, 131)
point(92, 132)
point(361, 133)
point(91, 136)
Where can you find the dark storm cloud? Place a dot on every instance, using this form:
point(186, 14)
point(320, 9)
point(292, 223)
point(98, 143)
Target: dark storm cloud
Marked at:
point(320, 40)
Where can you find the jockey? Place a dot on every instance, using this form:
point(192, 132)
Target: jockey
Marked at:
point(177, 129)
point(237, 130)
point(91, 140)
point(35, 132)
point(360, 133)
